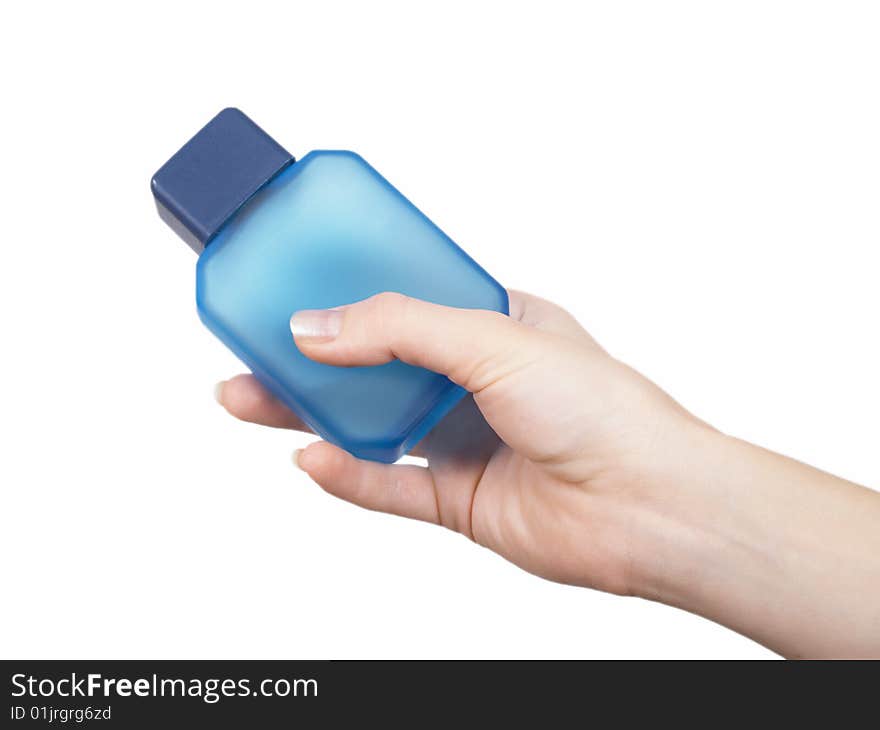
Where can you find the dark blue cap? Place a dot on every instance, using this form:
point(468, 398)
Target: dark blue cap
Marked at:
point(214, 174)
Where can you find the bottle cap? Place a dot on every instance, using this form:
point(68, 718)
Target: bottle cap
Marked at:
point(214, 174)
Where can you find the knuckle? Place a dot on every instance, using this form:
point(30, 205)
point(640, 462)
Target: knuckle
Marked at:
point(390, 312)
point(390, 301)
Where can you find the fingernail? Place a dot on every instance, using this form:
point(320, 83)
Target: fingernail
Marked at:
point(295, 457)
point(218, 392)
point(316, 325)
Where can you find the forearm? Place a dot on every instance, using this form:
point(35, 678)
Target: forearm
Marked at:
point(776, 550)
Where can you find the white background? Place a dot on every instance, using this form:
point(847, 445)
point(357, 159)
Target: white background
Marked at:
point(698, 182)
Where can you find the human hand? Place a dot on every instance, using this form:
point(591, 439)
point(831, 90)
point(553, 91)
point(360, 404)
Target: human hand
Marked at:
point(575, 467)
point(546, 463)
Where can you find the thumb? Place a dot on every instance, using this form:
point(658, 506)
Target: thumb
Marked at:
point(472, 347)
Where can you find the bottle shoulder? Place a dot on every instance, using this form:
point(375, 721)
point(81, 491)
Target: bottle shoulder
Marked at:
point(329, 157)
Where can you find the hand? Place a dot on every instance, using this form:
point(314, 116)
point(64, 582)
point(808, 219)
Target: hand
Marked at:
point(576, 468)
point(544, 463)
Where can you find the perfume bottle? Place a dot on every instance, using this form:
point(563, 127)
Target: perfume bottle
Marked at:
point(275, 235)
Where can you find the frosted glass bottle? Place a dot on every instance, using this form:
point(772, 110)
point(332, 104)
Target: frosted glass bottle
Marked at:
point(277, 236)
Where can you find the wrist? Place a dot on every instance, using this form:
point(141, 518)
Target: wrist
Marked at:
point(759, 543)
point(687, 531)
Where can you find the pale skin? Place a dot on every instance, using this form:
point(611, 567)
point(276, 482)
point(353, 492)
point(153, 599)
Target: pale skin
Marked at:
point(577, 468)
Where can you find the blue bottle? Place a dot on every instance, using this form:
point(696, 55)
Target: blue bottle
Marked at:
point(275, 236)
